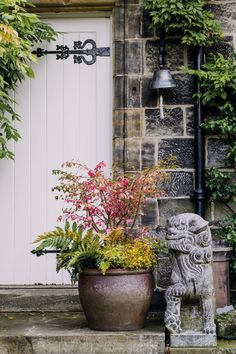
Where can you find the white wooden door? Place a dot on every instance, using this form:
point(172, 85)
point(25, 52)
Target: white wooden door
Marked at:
point(66, 114)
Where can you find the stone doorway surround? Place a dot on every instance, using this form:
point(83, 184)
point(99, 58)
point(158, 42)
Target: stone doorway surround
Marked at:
point(73, 5)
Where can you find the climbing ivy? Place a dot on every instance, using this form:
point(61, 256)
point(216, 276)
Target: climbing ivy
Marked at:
point(189, 18)
point(19, 31)
point(218, 88)
point(196, 26)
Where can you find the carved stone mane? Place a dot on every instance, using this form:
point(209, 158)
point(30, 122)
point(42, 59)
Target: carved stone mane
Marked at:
point(190, 244)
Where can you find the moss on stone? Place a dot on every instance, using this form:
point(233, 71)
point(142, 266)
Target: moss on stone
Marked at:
point(226, 325)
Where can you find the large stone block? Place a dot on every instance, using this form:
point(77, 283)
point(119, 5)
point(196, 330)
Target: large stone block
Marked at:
point(182, 93)
point(171, 124)
point(149, 217)
point(132, 154)
point(133, 57)
point(224, 46)
point(118, 14)
point(216, 152)
point(149, 96)
point(119, 62)
point(218, 210)
point(182, 149)
point(174, 55)
point(179, 184)
point(128, 57)
point(170, 207)
point(119, 97)
point(118, 123)
point(133, 123)
point(132, 92)
point(148, 153)
point(127, 123)
point(127, 92)
point(118, 153)
point(164, 269)
point(133, 21)
point(226, 13)
point(190, 112)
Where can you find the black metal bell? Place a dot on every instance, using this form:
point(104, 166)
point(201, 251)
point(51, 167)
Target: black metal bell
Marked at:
point(162, 79)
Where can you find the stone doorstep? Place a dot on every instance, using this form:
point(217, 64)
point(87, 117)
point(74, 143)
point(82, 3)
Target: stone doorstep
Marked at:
point(51, 299)
point(59, 333)
point(39, 299)
point(49, 319)
point(223, 347)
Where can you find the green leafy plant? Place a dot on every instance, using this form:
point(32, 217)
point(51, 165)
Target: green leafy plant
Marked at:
point(80, 249)
point(218, 88)
point(218, 79)
point(189, 18)
point(219, 185)
point(19, 31)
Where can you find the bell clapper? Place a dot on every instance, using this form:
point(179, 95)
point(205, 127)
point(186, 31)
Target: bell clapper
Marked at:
point(161, 107)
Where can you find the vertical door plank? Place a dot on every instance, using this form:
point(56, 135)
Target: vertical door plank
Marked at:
point(7, 212)
point(104, 95)
point(55, 148)
point(38, 171)
point(22, 245)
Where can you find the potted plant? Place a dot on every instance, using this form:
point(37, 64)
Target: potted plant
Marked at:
point(102, 244)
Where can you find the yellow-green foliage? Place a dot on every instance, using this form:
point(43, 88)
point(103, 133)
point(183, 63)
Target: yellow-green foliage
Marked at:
point(79, 249)
point(139, 255)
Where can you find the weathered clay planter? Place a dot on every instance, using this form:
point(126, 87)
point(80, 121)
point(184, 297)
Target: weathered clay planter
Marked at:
point(221, 275)
point(117, 301)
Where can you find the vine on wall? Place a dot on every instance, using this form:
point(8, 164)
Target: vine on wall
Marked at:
point(19, 31)
point(189, 18)
point(218, 82)
point(198, 27)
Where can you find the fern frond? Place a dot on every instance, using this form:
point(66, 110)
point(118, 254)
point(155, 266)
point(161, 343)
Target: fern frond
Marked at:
point(104, 266)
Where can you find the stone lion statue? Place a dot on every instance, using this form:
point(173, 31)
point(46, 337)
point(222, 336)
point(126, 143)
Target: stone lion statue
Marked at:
point(190, 244)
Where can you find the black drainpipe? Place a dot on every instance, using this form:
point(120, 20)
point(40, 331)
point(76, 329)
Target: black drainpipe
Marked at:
point(199, 144)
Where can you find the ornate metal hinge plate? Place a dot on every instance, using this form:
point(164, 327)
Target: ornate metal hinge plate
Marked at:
point(79, 52)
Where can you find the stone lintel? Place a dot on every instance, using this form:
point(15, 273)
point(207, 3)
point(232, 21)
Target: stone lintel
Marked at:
point(72, 5)
point(193, 340)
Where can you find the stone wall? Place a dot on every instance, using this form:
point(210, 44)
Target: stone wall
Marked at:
point(141, 137)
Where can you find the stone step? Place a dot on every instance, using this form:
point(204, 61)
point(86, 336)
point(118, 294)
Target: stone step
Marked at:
point(223, 347)
point(39, 299)
point(59, 333)
point(51, 299)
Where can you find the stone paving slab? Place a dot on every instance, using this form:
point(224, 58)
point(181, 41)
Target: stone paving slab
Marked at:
point(40, 299)
point(59, 333)
point(223, 347)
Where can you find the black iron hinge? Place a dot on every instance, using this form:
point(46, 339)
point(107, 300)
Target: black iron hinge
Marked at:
point(79, 52)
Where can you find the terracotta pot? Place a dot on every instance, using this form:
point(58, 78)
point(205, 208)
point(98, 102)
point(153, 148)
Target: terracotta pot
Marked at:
point(221, 275)
point(117, 301)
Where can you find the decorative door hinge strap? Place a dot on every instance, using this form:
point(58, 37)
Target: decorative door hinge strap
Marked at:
point(79, 52)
